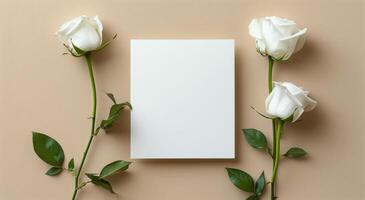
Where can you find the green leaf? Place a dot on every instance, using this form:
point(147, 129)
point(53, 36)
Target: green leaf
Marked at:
point(255, 138)
point(104, 184)
point(70, 51)
point(267, 117)
point(53, 171)
point(71, 165)
point(241, 179)
point(114, 167)
point(105, 44)
point(111, 96)
point(290, 118)
point(260, 184)
point(48, 149)
point(77, 49)
point(92, 176)
point(113, 115)
point(252, 197)
point(295, 152)
point(100, 182)
point(116, 108)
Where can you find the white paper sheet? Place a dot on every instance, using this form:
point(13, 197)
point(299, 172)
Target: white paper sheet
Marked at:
point(182, 93)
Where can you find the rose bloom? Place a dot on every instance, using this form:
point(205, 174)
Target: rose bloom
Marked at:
point(287, 100)
point(83, 32)
point(277, 37)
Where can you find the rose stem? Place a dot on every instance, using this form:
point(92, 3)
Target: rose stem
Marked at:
point(271, 66)
point(280, 125)
point(91, 74)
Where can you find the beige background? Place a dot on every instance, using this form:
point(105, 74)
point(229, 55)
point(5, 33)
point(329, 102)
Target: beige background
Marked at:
point(45, 91)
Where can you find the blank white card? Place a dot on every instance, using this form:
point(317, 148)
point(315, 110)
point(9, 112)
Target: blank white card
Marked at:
point(182, 92)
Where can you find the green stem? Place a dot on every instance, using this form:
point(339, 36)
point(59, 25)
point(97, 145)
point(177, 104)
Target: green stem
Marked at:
point(270, 85)
point(91, 74)
point(271, 66)
point(279, 129)
point(83, 185)
point(273, 183)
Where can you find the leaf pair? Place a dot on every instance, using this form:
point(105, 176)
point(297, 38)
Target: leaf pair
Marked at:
point(258, 140)
point(50, 151)
point(245, 182)
point(108, 170)
point(113, 113)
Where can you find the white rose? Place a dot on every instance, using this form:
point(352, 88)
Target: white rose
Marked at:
point(287, 100)
point(277, 37)
point(84, 32)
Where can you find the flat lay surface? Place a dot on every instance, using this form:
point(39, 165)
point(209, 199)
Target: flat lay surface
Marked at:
point(45, 91)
